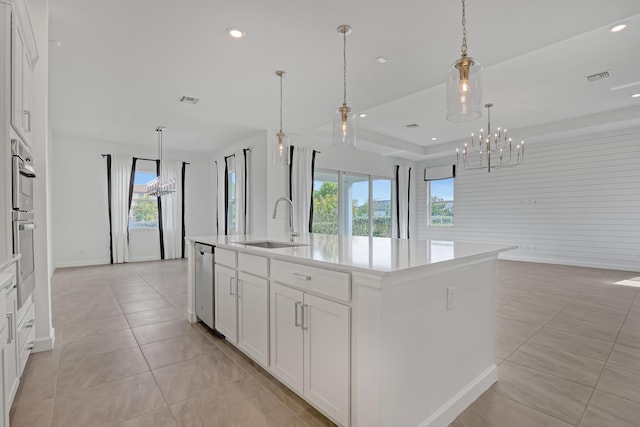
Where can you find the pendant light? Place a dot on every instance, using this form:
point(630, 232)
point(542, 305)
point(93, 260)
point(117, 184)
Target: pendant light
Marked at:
point(344, 123)
point(464, 87)
point(280, 150)
point(158, 187)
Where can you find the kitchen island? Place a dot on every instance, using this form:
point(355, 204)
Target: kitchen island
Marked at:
point(370, 331)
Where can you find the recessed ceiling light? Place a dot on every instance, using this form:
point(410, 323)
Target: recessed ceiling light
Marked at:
point(434, 138)
point(363, 115)
point(636, 95)
point(618, 27)
point(381, 59)
point(235, 32)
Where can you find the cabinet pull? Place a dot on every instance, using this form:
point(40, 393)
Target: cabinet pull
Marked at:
point(297, 320)
point(30, 346)
point(301, 276)
point(231, 286)
point(10, 320)
point(305, 309)
point(29, 324)
point(27, 113)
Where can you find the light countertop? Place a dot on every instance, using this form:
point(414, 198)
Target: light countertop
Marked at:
point(377, 255)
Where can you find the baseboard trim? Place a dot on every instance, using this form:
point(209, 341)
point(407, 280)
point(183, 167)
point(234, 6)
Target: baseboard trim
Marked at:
point(45, 343)
point(448, 412)
point(191, 316)
point(83, 263)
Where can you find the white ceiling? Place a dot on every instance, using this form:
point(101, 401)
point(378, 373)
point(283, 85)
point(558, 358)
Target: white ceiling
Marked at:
point(122, 65)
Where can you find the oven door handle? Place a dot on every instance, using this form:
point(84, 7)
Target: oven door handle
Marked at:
point(27, 170)
point(28, 226)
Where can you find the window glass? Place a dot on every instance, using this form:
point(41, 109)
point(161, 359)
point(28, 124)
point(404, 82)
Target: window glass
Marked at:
point(355, 193)
point(441, 202)
point(144, 208)
point(381, 208)
point(231, 208)
point(325, 203)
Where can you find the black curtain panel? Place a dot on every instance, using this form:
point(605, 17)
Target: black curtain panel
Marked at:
point(108, 157)
point(217, 190)
point(246, 186)
point(184, 170)
point(226, 194)
point(313, 174)
point(398, 201)
point(291, 150)
point(408, 201)
point(160, 225)
point(132, 178)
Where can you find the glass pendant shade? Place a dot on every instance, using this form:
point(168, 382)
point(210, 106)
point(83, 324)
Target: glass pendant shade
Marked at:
point(464, 90)
point(280, 149)
point(344, 128)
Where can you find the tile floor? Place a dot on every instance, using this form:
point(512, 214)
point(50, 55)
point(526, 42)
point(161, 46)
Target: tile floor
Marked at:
point(567, 349)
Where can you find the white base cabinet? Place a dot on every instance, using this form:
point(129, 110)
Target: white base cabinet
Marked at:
point(11, 365)
point(310, 348)
point(226, 303)
point(253, 312)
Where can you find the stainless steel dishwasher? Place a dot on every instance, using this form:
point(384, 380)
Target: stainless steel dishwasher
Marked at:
point(205, 304)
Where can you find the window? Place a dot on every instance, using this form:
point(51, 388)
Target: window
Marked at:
point(341, 204)
point(231, 207)
point(441, 202)
point(144, 208)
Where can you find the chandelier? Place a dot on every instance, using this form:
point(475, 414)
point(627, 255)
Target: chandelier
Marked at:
point(281, 140)
point(344, 123)
point(490, 151)
point(159, 187)
point(464, 86)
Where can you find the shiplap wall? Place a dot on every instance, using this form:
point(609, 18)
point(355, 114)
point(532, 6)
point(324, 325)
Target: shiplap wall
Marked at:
point(574, 201)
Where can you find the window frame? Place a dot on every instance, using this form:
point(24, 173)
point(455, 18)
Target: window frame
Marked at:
point(430, 203)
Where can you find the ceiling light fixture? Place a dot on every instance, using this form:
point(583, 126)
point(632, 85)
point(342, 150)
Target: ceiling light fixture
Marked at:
point(434, 138)
point(617, 28)
point(281, 140)
point(363, 115)
point(490, 151)
point(344, 124)
point(636, 95)
point(464, 86)
point(158, 187)
point(381, 59)
point(236, 33)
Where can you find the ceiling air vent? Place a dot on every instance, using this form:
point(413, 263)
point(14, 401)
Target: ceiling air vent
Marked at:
point(189, 99)
point(412, 125)
point(598, 76)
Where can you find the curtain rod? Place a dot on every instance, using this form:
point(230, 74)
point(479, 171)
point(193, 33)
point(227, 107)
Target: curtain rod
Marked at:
point(141, 158)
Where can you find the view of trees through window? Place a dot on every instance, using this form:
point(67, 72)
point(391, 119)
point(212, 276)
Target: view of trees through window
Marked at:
point(441, 202)
point(144, 209)
point(231, 207)
point(355, 215)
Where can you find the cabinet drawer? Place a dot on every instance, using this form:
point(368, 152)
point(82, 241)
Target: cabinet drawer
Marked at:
point(225, 257)
point(334, 284)
point(253, 264)
point(26, 350)
point(25, 327)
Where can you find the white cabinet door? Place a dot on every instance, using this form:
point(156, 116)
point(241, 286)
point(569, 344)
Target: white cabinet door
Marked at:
point(4, 405)
point(327, 345)
point(11, 378)
point(287, 343)
point(253, 312)
point(226, 303)
point(20, 83)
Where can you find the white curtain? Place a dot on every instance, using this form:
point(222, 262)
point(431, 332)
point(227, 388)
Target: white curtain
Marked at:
point(172, 211)
point(402, 196)
point(120, 178)
point(301, 187)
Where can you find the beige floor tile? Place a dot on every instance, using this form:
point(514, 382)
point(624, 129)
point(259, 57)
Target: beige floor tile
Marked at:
point(108, 403)
point(282, 393)
point(590, 328)
point(626, 356)
point(633, 320)
point(606, 410)
point(570, 366)
point(136, 294)
point(163, 330)
point(494, 410)
point(192, 377)
point(82, 348)
point(178, 349)
point(530, 310)
point(550, 394)
point(160, 418)
point(573, 343)
point(153, 316)
point(620, 381)
point(244, 362)
point(33, 414)
point(94, 326)
point(99, 369)
point(629, 337)
point(240, 403)
point(145, 304)
point(40, 377)
point(511, 334)
point(314, 418)
point(178, 301)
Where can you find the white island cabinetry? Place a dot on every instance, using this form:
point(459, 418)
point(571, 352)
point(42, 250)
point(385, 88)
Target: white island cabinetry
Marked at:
point(373, 332)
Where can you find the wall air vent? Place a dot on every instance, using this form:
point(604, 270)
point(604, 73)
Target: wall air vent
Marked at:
point(189, 99)
point(598, 76)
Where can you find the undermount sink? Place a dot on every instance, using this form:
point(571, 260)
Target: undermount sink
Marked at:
point(272, 244)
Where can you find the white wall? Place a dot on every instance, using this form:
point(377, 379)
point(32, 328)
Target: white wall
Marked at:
point(575, 201)
point(79, 200)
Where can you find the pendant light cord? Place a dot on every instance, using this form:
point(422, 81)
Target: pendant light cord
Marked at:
point(344, 54)
point(280, 103)
point(464, 30)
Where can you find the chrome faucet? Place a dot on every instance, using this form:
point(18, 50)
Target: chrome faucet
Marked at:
point(291, 213)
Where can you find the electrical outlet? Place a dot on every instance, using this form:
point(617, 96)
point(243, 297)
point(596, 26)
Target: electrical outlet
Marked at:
point(451, 297)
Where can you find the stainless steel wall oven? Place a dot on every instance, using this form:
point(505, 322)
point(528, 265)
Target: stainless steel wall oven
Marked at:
point(23, 176)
